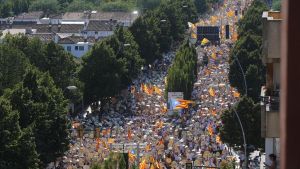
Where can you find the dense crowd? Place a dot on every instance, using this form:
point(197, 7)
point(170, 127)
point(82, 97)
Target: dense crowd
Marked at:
point(170, 141)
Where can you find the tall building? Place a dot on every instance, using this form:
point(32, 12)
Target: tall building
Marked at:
point(270, 92)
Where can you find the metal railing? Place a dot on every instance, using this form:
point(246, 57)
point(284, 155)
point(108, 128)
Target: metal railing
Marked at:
point(272, 103)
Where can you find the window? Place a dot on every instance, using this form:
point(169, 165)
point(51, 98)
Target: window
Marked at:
point(81, 48)
point(96, 33)
point(69, 48)
point(76, 47)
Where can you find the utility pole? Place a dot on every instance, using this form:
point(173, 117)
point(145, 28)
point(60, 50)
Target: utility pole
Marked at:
point(244, 138)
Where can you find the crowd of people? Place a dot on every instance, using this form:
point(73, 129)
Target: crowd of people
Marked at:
point(165, 141)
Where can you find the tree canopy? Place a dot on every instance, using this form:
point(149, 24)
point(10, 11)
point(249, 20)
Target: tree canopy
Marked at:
point(101, 72)
point(249, 114)
point(42, 107)
point(46, 57)
point(13, 66)
point(17, 146)
point(182, 74)
point(247, 51)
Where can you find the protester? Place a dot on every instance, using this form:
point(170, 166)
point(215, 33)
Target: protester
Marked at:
point(139, 116)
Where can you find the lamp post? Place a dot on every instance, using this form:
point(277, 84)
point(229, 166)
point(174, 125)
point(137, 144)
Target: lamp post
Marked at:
point(243, 133)
point(70, 88)
point(122, 47)
point(245, 82)
point(75, 88)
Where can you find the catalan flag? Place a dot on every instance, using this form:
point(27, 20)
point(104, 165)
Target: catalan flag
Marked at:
point(218, 139)
point(131, 157)
point(157, 90)
point(148, 147)
point(236, 94)
point(129, 134)
point(111, 141)
point(230, 13)
point(160, 142)
point(97, 143)
point(210, 130)
point(143, 164)
point(211, 92)
point(213, 112)
point(214, 56)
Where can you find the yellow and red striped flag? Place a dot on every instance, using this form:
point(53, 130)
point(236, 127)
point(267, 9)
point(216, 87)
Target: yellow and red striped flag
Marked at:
point(211, 92)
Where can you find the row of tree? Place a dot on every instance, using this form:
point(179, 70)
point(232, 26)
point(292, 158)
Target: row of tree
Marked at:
point(15, 7)
point(183, 72)
point(33, 118)
point(114, 62)
point(246, 52)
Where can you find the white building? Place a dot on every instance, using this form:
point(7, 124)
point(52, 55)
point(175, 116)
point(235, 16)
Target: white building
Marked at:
point(76, 45)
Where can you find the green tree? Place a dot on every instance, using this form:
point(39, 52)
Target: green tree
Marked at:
point(252, 20)
point(182, 74)
point(42, 106)
point(188, 9)
point(249, 114)
point(17, 147)
point(79, 5)
point(46, 57)
point(5, 9)
point(174, 16)
point(148, 4)
point(276, 5)
point(144, 29)
point(20, 6)
point(47, 6)
point(13, 66)
point(165, 38)
point(60, 64)
point(201, 6)
point(127, 49)
point(101, 73)
point(248, 52)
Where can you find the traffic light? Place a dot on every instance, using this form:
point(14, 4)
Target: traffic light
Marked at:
point(227, 31)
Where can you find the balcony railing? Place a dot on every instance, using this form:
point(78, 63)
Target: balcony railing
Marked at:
point(272, 103)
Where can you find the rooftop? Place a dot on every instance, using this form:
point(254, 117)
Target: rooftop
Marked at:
point(64, 28)
point(76, 39)
point(45, 37)
point(96, 25)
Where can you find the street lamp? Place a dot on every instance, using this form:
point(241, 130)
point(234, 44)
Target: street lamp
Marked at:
point(163, 20)
point(122, 47)
point(75, 88)
point(244, 138)
point(245, 82)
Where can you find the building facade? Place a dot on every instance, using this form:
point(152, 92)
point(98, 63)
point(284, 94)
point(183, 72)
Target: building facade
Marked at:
point(270, 114)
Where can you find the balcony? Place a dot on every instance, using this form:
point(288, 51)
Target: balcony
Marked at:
point(270, 114)
point(271, 103)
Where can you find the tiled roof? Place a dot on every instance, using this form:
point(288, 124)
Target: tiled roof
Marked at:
point(73, 16)
point(113, 15)
point(76, 39)
point(64, 28)
point(45, 37)
point(96, 25)
point(100, 16)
